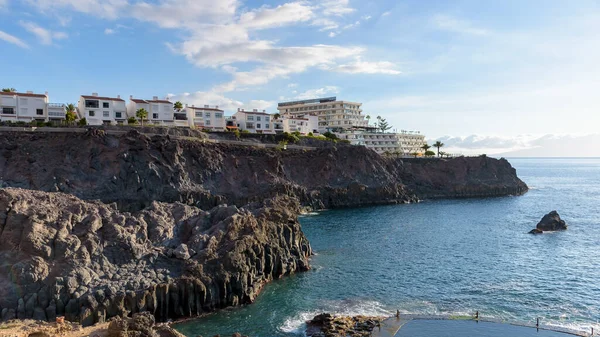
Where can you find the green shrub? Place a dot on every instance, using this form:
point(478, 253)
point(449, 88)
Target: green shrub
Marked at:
point(330, 135)
point(82, 122)
point(236, 132)
point(132, 121)
point(290, 138)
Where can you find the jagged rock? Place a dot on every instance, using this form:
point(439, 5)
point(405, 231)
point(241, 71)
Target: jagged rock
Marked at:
point(207, 175)
point(327, 325)
point(116, 263)
point(182, 252)
point(550, 222)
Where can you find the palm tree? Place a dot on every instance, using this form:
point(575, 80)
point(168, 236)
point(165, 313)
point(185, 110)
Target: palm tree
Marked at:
point(368, 119)
point(70, 115)
point(438, 144)
point(426, 147)
point(141, 114)
point(178, 106)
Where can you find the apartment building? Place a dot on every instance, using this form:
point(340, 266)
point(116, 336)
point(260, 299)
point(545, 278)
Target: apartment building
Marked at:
point(332, 114)
point(253, 121)
point(403, 144)
point(304, 124)
point(160, 112)
point(98, 110)
point(206, 117)
point(28, 107)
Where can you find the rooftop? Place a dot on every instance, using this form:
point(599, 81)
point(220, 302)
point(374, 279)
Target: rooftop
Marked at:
point(24, 94)
point(309, 101)
point(103, 98)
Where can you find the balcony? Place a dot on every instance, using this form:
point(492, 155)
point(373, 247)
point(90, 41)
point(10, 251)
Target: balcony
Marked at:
point(56, 105)
point(60, 114)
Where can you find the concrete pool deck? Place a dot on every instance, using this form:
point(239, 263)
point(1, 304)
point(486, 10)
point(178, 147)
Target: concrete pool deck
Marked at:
point(450, 326)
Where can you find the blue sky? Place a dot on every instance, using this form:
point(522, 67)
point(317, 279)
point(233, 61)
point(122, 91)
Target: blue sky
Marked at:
point(488, 76)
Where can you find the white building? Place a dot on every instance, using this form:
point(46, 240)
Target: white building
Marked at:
point(206, 117)
point(403, 144)
point(160, 112)
point(333, 114)
point(28, 107)
point(254, 121)
point(99, 110)
point(304, 124)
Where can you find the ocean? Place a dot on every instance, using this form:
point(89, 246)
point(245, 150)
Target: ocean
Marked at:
point(445, 257)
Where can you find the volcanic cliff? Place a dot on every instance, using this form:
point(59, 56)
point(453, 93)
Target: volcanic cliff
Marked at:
point(94, 225)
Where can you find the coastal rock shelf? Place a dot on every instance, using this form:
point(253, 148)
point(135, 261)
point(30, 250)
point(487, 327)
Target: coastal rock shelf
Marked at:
point(133, 170)
point(88, 261)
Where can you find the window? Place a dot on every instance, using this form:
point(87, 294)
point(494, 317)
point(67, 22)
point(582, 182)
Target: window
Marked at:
point(91, 113)
point(207, 115)
point(207, 123)
point(266, 119)
point(91, 104)
point(118, 114)
point(198, 114)
point(105, 113)
point(267, 126)
point(250, 118)
point(258, 126)
point(154, 116)
point(39, 112)
point(8, 111)
point(23, 101)
point(218, 115)
point(258, 118)
point(105, 105)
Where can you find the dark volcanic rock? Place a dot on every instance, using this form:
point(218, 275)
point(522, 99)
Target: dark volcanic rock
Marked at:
point(550, 222)
point(133, 170)
point(87, 261)
point(327, 325)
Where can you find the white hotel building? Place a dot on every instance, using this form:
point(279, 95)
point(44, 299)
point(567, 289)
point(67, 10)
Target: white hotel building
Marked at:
point(404, 143)
point(99, 110)
point(332, 114)
point(160, 112)
point(28, 107)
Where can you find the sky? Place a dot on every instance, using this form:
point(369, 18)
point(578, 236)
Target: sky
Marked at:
point(494, 76)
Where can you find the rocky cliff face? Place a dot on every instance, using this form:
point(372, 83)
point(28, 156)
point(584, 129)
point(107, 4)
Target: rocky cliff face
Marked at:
point(461, 177)
point(133, 170)
point(88, 261)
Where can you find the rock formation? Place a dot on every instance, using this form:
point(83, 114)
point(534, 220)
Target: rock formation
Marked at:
point(88, 261)
point(327, 325)
point(550, 222)
point(133, 170)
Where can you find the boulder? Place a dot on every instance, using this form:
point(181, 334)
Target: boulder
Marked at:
point(182, 252)
point(550, 222)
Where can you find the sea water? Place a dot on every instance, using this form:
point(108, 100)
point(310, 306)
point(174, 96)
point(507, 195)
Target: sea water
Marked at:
point(445, 257)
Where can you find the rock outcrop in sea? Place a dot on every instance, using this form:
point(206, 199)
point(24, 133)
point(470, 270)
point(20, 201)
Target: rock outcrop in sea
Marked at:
point(88, 261)
point(549, 223)
point(327, 325)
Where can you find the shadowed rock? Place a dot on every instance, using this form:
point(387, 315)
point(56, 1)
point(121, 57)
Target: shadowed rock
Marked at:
point(550, 222)
point(87, 261)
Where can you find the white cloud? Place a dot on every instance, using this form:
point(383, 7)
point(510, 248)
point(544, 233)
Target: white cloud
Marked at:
point(366, 17)
point(293, 85)
point(285, 14)
point(365, 67)
point(13, 39)
point(332, 34)
point(320, 92)
point(384, 14)
point(548, 145)
point(451, 24)
point(109, 31)
point(45, 36)
point(217, 35)
point(336, 7)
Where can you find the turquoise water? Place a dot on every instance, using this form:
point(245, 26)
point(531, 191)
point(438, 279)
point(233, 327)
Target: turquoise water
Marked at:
point(445, 257)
